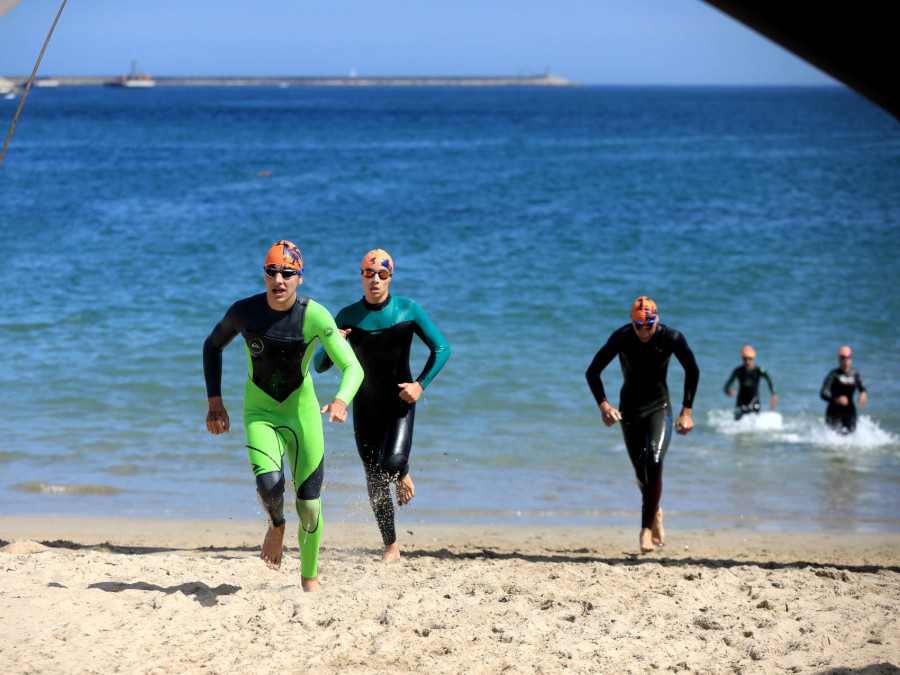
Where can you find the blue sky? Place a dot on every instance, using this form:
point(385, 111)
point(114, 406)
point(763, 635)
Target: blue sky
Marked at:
point(588, 41)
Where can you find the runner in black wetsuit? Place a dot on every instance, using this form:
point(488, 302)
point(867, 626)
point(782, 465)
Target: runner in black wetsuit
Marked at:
point(838, 390)
point(747, 376)
point(380, 328)
point(644, 348)
point(281, 412)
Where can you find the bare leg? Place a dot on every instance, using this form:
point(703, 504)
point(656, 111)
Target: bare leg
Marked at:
point(310, 585)
point(273, 545)
point(405, 490)
point(391, 553)
point(659, 535)
point(647, 541)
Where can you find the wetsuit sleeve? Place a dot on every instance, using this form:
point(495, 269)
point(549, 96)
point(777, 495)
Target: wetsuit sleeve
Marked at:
point(859, 383)
point(321, 361)
point(765, 374)
point(320, 324)
point(602, 359)
point(825, 394)
point(431, 336)
point(223, 333)
point(734, 376)
point(691, 371)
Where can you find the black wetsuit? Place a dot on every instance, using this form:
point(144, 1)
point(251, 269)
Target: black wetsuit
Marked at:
point(748, 391)
point(381, 336)
point(644, 401)
point(838, 383)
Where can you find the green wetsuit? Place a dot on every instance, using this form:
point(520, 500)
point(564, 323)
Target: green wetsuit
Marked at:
point(281, 412)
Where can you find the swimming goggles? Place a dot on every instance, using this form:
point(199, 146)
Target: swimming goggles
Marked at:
point(285, 274)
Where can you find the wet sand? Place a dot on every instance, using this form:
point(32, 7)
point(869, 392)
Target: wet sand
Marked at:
point(94, 595)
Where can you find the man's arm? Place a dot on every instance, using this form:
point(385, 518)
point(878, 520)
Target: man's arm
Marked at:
point(691, 373)
point(431, 336)
point(321, 361)
point(774, 399)
point(440, 353)
point(734, 375)
point(825, 392)
point(319, 323)
point(217, 421)
point(602, 359)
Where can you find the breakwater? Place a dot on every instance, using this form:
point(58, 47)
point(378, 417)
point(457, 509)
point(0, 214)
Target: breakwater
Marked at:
point(545, 80)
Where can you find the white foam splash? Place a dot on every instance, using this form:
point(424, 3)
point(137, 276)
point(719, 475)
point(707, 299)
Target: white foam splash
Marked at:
point(802, 430)
point(868, 434)
point(766, 421)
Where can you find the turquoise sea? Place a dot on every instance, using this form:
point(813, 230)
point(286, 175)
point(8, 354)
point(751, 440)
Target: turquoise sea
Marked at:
point(525, 222)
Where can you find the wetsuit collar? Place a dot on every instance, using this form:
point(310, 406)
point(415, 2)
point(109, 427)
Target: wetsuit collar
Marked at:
point(374, 308)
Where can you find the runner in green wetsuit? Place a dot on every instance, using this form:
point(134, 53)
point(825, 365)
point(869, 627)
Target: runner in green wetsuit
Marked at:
point(380, 328)
point(281, 412)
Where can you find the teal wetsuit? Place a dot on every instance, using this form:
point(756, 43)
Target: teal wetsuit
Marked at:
point(281, 412)
point(381, 336)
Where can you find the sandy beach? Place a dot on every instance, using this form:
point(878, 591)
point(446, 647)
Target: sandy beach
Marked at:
point(82, 595)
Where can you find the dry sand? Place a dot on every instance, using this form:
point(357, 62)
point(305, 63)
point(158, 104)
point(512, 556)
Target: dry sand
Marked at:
point(175, 596)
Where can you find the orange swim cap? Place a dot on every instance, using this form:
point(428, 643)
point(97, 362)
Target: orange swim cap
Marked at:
point(644, 311)
point(845, 352)
point(378, 256)
point(285, 253)
point(748, 352)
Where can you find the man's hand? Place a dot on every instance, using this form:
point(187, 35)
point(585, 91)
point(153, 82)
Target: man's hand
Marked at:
point(337, 411)
point(684, 423)
point(217, 421)
point(610, 414)
point(410, 391)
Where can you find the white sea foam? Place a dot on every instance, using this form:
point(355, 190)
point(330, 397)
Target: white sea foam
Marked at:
point(802, 430)
point(868, 434)
point(723, 422)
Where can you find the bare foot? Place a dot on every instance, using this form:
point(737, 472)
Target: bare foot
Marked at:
point(310, 585)
point(647, 541)
point(405, 490)
point(273, 546)
point(391, 553)
point(659, 535)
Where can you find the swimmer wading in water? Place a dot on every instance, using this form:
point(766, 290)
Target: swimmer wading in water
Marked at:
point(837, 390)
point(281, 413)
point(747, 377)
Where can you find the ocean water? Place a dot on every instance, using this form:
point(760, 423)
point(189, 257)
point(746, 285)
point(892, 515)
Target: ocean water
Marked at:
point(525, 222)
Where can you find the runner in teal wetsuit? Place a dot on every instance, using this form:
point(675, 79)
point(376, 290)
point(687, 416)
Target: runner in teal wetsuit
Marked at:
point(380, 328)
point(281, 412)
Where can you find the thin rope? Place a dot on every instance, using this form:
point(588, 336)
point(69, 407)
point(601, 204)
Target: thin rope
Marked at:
point(30, 81)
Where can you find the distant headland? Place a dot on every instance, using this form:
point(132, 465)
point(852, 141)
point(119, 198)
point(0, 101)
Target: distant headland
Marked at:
point(546, 79)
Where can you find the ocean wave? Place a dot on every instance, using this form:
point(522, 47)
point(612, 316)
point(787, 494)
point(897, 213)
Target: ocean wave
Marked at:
point(42, 487)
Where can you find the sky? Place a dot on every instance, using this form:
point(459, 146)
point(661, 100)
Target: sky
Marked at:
point(619, 42)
